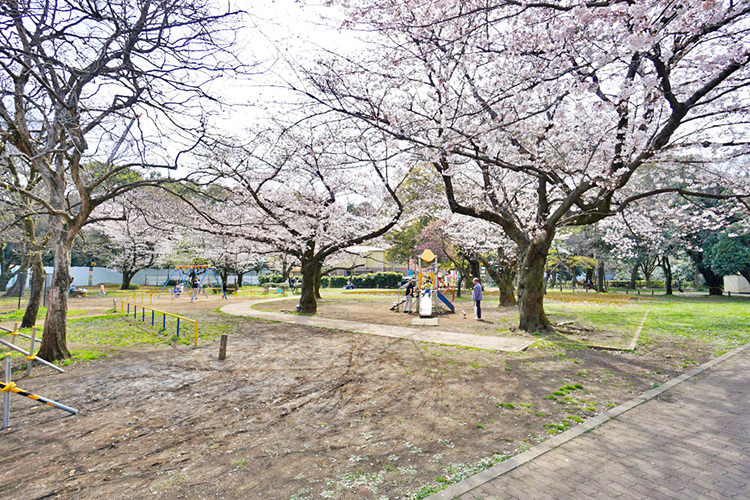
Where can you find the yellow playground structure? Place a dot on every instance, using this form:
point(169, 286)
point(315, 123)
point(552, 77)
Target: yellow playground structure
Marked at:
point(433, 287)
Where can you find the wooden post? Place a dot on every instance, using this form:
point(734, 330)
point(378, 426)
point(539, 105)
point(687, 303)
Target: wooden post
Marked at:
point(6, 395)
point(223, 348)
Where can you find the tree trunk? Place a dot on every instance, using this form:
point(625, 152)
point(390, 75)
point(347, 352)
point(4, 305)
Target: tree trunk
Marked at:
point(475, 268)
point(666, 266)
point(318, 276)
point(239, 276)
point(224, 275)
point(127, 275)
point(54, 341)
point(633, 276)
point(600, 276)
point(503, 276)
point(533, 259)
point(714, 282)
point(507, 291)
point(459, 282)
point(308, 302)
point(37, 287)
point(589, 277)
point(285, 270)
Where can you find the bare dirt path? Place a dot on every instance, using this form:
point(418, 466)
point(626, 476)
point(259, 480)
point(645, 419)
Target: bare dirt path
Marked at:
point(423, 334)
point(301, 411)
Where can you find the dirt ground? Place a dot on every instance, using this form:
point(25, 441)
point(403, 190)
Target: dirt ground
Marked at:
point(299, 412)
point(497, 321)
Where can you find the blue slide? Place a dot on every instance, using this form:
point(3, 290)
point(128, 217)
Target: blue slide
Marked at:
point(445, 301)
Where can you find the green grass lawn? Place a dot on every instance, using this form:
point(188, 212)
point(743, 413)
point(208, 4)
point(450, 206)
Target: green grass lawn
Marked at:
point(723, 322)
point(123, 330)
point(17, 315)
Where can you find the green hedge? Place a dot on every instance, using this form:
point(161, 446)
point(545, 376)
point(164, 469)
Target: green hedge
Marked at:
point(638, 283)
point(269, 278)
point(371, 280)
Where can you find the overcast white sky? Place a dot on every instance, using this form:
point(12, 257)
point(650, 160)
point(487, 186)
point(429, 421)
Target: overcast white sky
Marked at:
point(275, 33)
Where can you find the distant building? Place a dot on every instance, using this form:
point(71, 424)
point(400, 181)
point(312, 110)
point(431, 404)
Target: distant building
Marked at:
point(365, 259)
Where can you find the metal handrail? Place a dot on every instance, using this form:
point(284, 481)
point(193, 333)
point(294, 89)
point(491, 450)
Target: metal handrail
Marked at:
point(164, 317)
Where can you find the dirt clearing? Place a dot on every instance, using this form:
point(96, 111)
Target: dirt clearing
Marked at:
point(300, 412)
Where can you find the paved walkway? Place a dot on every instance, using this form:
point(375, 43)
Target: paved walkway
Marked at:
point(689, 438)
point(507, 344)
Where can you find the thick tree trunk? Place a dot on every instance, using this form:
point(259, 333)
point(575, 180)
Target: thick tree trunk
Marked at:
point(308, 302)
point(666, 266)
point(127, 275)
point(54, 341)
point(475, 268)
point(503, 276)
point(318, 277)
point(37, 287)
point(633, 276)
point(459, 282)
point(600, 276)
point(714, 282)
point(507, 291)
point(533, 259)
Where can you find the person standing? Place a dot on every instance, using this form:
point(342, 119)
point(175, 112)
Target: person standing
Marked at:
point(476, 296)
point(409, 294)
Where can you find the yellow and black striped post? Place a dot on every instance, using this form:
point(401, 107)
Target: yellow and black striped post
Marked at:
point(11, 387)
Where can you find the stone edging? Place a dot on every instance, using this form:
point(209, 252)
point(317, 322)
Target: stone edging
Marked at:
point(508, 465)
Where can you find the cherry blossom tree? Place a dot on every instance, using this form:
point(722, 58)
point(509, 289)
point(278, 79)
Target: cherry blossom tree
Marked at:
point(16, 178)
point(308, 192)
point(134, 242)
point(73, 77)
point(541, 115)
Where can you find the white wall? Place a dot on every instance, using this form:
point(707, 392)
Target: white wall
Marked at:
point(736, 284)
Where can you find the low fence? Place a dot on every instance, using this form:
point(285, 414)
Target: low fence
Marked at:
point(154, 313)
point(8, 386)
point(135, 296)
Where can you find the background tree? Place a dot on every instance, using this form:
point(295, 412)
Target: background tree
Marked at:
point(133, 244)
point(541, 116)
point(729, 253)
point(307, 192)
point(73, 76)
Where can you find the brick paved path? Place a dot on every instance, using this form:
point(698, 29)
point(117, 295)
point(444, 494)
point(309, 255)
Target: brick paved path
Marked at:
point(691, 441)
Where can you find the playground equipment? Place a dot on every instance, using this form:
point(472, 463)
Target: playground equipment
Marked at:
point(154, 312)
point(9, 386)
point(433, 287)
point(185, 285)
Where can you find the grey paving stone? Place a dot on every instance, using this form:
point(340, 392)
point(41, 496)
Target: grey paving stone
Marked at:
point(690, 441)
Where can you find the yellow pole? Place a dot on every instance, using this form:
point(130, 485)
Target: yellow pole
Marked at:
point(196, 334)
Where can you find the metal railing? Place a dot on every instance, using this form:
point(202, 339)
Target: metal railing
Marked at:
point(164, 314)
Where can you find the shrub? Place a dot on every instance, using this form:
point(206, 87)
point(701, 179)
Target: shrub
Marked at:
point(337, 281)
point(371, 280)
point(269, 278)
